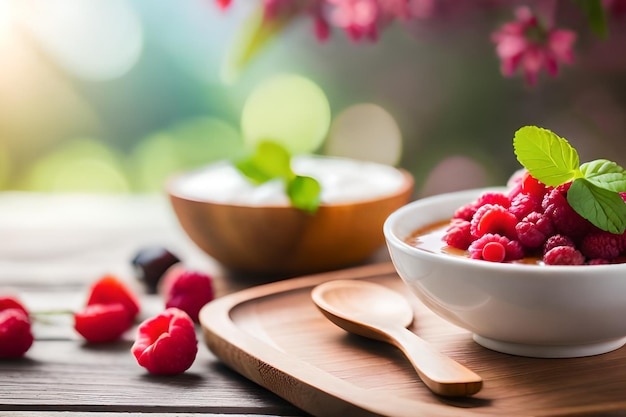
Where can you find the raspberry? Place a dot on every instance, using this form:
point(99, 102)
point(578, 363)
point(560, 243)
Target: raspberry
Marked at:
point(109, 290)
point(458, 234)
point(187, 290)
point(101, 323)
point(533, 187)
point(166, 344)
point(602, 245)
point(493, 199)
point(493, 219)
point(623, 195)
point(534, 230)
point(557, 240)
point(7, 302)
point(563, 255)
point(513, 249)
point(566, 221)
point(524, 204)
point(465, 212)
point(110, 311)
point(15, 329)
point(598, 262)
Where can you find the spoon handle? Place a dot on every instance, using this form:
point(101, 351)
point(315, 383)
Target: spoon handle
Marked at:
point(442, 374)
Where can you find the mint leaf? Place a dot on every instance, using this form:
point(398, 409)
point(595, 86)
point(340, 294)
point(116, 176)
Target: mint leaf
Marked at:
point(304, 193)
point(270, 161)
point(603, 208)
point(605, 174)
point(547, 157)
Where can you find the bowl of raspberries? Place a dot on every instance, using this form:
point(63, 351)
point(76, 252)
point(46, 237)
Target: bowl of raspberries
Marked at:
point(536, 268)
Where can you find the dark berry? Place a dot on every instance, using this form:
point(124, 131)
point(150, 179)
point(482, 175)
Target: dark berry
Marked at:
point(151, 263)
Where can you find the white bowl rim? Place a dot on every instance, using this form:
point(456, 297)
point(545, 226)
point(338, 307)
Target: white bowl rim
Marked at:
point(393, 239)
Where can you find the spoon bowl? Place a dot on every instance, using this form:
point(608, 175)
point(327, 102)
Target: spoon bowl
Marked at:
point(374, 311)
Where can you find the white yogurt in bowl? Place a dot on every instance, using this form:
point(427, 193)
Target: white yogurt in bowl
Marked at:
point(342, 181)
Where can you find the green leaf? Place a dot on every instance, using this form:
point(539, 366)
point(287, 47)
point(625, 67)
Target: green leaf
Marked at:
point(603, 208)
point(605, 174)
point(596, 16)
point(547, 157)
point(270, 160)
point(304, 193)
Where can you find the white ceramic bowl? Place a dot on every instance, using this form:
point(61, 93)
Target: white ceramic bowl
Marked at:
point(520, 309)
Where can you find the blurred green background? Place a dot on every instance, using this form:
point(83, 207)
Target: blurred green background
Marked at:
point(116, 95)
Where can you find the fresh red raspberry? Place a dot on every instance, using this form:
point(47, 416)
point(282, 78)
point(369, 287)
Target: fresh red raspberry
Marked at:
point(102, 323)
point(110, 311)
point(187, 290)
point(533, 187)
point(110, 290)
point(7, 302)
point(534, 230)
point(566, 221)
point(15, 329)
point(602, 245)
point(557, 240)
point(465, 212)
point(513, 249)
point(493, 198)
point(458, 234)
point(166, 344)
point(563, 255)
point(524, 204)
point(623, 195)
point(493, 219)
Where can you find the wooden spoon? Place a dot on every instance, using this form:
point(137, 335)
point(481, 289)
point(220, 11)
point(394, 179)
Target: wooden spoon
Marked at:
point(376, 312)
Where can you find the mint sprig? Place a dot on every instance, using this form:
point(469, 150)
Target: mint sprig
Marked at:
point(593, 193)
point(271, 161)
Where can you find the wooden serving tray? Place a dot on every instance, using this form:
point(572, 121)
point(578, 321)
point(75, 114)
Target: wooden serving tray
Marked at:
point(274, 335)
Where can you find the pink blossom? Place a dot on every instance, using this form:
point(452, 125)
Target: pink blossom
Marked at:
point(357, 17)
point(223, 4)
point(527, 44)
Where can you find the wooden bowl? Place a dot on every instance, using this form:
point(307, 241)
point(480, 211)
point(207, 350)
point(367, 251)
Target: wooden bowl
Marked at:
point(278, 239)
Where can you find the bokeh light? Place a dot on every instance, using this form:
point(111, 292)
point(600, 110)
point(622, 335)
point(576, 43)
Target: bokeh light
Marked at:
point(79, 165)
point(366, 132)
point(92, 39)
point(454, 173)
point(190, 144)
point(289, 109)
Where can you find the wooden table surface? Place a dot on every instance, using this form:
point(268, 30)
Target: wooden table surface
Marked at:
point(51, 248)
